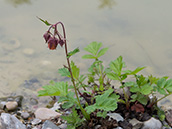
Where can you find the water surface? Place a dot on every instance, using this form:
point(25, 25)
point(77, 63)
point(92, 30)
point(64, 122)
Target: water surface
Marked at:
point(140, 31)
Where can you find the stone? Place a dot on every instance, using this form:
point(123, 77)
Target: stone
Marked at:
point(2, 124)
point(28, 51)
point(168, 116)
point(36, 121)
point(56, 106)
point(12, 122)
point(63, 126)
point(11, 105)
point(49, 125)
point(135, 123)
point(25, 115)
point(152, 124)
point(115, 116)
point(45, 114)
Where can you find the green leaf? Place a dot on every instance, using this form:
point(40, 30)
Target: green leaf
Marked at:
point(64, 72)
point(117, 65)
point(75, 70)
point(102, 114)
point(161, 82)
point(44, 21)
point(88, 57)
point(146, 89)
point(104, 102)
point(168, 85)
point(76, 50)
point(112, 76)
point(138, 69)
point(93, 48)
point(73, 119)
point(102, 52)
point(58, 89)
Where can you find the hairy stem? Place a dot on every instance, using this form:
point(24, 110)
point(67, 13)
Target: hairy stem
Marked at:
point(86, 115)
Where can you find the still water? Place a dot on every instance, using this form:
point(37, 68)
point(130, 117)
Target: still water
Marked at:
point(140, 31)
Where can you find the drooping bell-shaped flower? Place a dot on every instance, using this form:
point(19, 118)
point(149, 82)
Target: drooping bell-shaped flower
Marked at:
point(47, 36)
point(52, 43)
point(61, 42)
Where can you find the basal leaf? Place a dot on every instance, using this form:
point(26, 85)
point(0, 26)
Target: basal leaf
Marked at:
point(117, 65)
point(88, 57)
point(161, 82)
point(104, 102)
point(58, 89)
point(168, 85)
point(102, 52)
point(146, 89)
point(93, 48)
point(112, 76)
point(76, 50)
point(64, 72)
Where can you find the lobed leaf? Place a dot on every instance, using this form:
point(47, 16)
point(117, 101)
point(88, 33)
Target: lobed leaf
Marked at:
point(64, 72)
point(58, 89)
point(76, 50)
point(88, 57)
point(102, 52)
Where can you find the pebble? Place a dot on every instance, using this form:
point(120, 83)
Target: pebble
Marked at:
point(116, 116)
point(136, 124)
point(28, 51)
point(168, 115)
point(49, 125)
point(36, 121)
point(11, 45)
point(63, 126)
point(25, 115)
point(45, 114)
point(12, 122)
point(56, 106)
point(152, 124)
point(11, 105)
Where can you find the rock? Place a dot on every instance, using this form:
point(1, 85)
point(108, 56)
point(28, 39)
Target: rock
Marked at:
point(2, 124)
point(28, 51)
point(115, 116)
point(11, 105)
point(49, 125)
point(125, 124)
point(45, 113)
point(136, 124)
point(56, 106)
point(25, 115)
point(97, 126)
point(36, 121)
point(12, 122)
point(2, 105)
point(152, 124)
point(168, 116)
point(63, 126)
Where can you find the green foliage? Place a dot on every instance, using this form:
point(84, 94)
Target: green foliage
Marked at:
point(75, 70)
point(76, 50)
point(54, 89)
point(73, 120)
point(94, 50)
point(44, 21)
point(106, 102)
point(64, 72)
point(102, 114)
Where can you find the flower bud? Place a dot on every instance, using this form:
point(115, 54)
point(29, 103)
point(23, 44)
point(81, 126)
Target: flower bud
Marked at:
point(61, 42)
point(52, 43)
point(46, 36)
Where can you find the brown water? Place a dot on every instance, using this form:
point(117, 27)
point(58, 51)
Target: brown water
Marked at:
point(140, 31)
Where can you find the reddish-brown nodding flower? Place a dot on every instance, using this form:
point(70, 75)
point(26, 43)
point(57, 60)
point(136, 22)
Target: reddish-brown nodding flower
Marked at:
point(61, 42)
point(52, 43)
point(46, 36)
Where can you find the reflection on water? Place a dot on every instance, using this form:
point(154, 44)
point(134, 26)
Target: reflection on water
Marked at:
point(15, 3)
point(107, 3)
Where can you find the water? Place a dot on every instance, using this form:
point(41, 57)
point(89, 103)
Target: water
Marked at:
point(140, 31)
